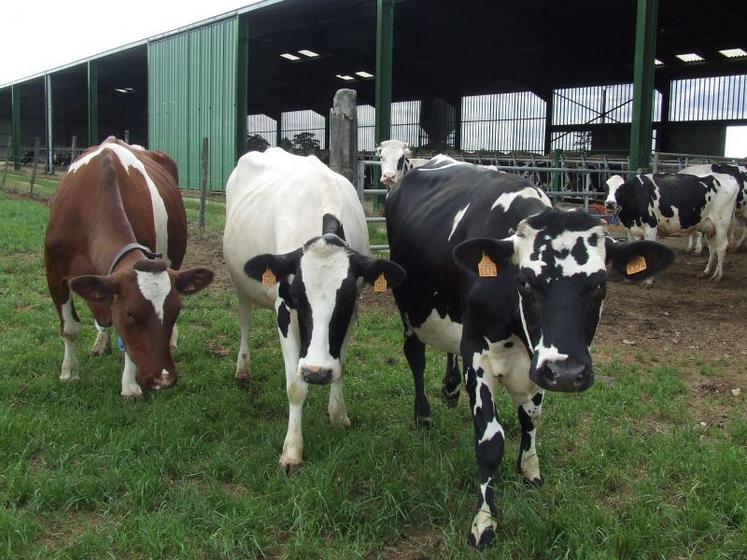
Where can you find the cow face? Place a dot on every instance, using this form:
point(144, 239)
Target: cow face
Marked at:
point(557, 263)
point(145, 302)
point(612, 202)
point(317, 294)
point(393, 155)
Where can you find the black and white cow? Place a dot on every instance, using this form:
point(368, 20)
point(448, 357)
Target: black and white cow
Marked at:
point(296, 241)
point(396, 161)
point(528, 327)
point(739, 172)
point(674, 203)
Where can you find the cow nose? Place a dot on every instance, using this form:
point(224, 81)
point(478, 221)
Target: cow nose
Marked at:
point(569, 376)
point(164, 380)
point(315, 375)
point(387, 177)
point(610, 205)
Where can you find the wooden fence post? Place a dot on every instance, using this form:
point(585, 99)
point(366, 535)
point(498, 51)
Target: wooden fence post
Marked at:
point(343, 134)
point(8, 152)
point(36, 163)
point(203, 181)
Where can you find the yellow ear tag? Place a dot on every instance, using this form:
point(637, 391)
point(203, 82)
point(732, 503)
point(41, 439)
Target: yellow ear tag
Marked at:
point(486, 267)
point(380, 284)
point(268, 278)
point(636, 265)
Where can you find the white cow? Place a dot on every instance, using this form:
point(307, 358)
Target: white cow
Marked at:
point(739, 172)
point(296, 241)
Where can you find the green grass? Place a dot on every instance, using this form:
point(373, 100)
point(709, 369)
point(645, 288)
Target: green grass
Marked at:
point(192, 473)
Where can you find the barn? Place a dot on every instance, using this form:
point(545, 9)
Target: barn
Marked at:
point(615, 77)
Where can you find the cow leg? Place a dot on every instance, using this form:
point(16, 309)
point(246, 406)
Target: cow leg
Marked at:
point(244, 362)
point(415, 354)
point(649, 233)
point(130, 387)
point(695, 243)
point(743, 224)
point(528, 462)
point(452, 381)
point(296, 389)
point(489, 443)
point(338, 414)
point(70, 330)
point(103, 343)
point(174, 340)
point(717, 247)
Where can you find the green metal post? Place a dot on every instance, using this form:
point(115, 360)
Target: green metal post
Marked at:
point(93, 103)
point(15, 99)
point(49, 121)
point(242, 87)
point(643, 83)
point(384, 41)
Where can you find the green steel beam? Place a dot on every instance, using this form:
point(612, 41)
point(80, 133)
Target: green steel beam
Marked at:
point(93, 102)
point(15, 99)
point(384, 42)
point(643, 83)
point(48, 121)
point(242, 86)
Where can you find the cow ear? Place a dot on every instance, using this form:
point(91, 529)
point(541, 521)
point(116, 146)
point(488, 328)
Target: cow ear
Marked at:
point(370, 269)
point(638, 260)
point(377, 151)
point(96, 289)
point(280, 265)
point(469, 254)
point(192, 280)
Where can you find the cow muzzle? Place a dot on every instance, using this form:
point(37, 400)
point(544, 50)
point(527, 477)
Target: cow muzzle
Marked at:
point(315, 375)
point(388, 179)
point(565, 376)
point(163, 380)
point(611, 206)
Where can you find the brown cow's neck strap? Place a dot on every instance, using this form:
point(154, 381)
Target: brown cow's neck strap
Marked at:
point(131, 247)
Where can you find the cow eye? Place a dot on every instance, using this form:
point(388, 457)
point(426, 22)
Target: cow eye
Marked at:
point(524, 286)
point(599, 289)
point(130, 318)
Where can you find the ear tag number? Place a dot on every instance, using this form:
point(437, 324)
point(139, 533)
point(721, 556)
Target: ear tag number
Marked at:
point(268, 278)
point(636, 265)
point(486, 267)
point(380, 284)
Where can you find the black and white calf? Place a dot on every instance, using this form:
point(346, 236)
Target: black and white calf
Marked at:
point(739, 172)
point(648, 205)
point(494, 273)
point(296, 241)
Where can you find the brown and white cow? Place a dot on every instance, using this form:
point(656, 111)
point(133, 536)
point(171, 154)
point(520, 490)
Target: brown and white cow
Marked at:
point(116, 236)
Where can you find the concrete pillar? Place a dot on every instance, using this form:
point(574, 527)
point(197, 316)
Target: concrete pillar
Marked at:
point(343, 132)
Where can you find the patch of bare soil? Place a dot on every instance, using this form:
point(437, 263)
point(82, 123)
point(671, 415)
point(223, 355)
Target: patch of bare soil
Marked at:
point(205, 249)
point(686, 321)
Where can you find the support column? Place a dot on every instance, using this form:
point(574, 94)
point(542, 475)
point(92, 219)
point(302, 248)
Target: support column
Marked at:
point(643, 83)
point(93, 103)
point(242, 86)
point(279, 130)
point(662, 132)
point(384, 42)
point(48, 119)
point(15, 100)
point(457, 103)
point(343, 128)
point(548, 122)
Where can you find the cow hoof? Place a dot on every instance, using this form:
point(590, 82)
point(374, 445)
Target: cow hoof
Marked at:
point(535, 482)
point(340, 421)
point(423, 422)
point(101, 350)
point(289, 468)
point(243, 380)
point(450, 398)
point(486, 539)
point(69, 378)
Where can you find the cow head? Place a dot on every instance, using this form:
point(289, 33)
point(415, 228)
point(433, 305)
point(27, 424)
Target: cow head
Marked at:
point(556, 261)
point(613, 201)
point(317, 293)
point(145, 301)
point(393, 155)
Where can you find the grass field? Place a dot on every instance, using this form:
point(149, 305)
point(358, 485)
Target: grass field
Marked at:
point(192, 473)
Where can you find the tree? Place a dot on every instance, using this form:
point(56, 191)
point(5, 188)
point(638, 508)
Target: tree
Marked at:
point(256, 143)
point(286, 144)
point(305, 143)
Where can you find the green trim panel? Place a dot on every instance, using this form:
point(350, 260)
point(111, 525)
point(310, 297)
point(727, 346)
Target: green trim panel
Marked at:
point(192, 93)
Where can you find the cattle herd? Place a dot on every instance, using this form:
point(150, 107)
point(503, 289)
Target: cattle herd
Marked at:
point(482, 267)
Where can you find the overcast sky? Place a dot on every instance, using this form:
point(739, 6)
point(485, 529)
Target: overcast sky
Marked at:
point(46, 34)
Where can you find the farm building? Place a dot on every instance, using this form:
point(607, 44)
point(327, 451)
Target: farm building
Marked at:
point(612, 77)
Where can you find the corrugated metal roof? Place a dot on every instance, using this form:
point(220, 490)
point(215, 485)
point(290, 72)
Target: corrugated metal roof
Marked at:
point(245, 9)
